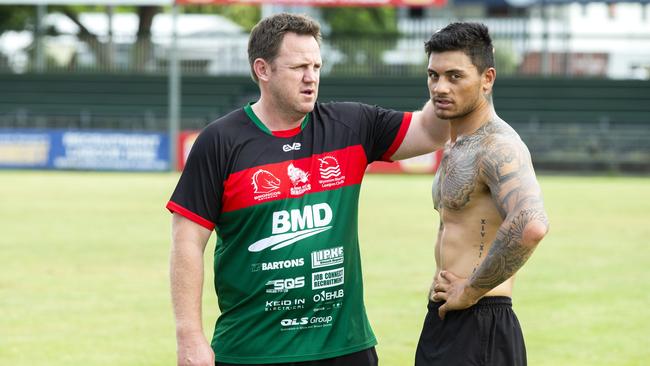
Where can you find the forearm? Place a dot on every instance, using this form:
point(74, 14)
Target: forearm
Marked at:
point(186, 275)
point(516, 240)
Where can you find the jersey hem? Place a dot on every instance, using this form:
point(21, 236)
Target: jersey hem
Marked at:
point(401, 133)
point(301, 358)
point(175, 207)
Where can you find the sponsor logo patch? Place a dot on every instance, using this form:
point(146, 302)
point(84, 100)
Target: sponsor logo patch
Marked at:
point(284, 285)
point(291, 147)
point(326, 300)
point(306, 322)
point(265, 185)
point(330, 172)
point(327, 257)
point(325, 279)
point(269, 266)
point(299, 179)
point(289, 227)
point(284, 305)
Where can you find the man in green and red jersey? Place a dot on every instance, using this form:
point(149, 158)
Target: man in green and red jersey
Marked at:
point(279, 181)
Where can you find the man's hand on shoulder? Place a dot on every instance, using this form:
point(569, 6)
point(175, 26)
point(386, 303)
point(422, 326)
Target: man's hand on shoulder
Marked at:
point(426, 133)
point(194, 350)
point(455, 292)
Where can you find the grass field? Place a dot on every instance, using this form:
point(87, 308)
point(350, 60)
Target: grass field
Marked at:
point(83, 270)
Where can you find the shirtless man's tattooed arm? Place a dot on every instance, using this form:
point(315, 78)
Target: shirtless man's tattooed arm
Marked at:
point(508, 172)
point(505, 167)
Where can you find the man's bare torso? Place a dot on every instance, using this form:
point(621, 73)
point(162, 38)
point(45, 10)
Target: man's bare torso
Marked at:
point(469, 217)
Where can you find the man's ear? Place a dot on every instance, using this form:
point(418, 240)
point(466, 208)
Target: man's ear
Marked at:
point(488, 78)
point(261, 69)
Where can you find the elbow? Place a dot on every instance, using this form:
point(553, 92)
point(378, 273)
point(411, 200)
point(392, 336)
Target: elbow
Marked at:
point(534, 232)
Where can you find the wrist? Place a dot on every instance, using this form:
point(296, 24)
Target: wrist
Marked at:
point(188, 333)
point(472, 294)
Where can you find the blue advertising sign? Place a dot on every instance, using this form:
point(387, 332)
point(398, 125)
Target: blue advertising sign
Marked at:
point(86, 150)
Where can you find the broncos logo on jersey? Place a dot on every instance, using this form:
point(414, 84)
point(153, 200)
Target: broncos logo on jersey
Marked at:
point(265, 182)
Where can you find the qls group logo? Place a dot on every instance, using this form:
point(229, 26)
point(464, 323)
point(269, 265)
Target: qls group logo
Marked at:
point(289, 227)
point(306, 322)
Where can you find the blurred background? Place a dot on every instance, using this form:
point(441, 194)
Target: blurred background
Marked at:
point(573, 76)
point(92, 91)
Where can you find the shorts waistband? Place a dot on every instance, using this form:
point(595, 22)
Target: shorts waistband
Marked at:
point(484, 302)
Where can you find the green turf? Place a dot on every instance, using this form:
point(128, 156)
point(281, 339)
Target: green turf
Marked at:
point(83, 270)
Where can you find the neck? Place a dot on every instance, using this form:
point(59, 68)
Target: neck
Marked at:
point(274, 118)
point(469, 123)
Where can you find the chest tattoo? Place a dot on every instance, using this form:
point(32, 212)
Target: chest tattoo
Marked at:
point(457, 177)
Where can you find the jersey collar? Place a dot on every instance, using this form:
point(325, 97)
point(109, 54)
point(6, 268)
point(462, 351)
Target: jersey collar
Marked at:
point(283, 133)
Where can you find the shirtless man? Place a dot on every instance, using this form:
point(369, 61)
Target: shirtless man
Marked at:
point(491, 211)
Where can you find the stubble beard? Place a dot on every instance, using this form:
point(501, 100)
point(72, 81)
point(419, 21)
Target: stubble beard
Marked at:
point(464, 112)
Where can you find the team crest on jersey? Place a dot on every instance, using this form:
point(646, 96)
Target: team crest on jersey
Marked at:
point(299, 179)
point(265, 185)
point(330, 172)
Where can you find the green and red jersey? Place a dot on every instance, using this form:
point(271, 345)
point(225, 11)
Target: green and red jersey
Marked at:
point(284, 204)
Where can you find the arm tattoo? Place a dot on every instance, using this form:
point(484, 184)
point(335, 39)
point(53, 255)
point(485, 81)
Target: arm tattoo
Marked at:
point(508, 172)
point(507, 254)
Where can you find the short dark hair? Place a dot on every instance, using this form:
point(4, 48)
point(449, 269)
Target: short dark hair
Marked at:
point(473, 39)
point(266, 37)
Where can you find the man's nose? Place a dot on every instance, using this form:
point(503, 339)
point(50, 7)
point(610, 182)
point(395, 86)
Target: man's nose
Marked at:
point(440, 86)
point(311, 75)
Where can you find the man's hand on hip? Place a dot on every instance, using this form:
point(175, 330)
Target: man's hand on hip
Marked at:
point(453, 291)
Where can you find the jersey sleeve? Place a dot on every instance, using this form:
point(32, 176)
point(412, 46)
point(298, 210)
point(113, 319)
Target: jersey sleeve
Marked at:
point(198, 193)
point(383, 130)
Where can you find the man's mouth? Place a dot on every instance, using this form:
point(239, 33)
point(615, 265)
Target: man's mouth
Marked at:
point(442, 102)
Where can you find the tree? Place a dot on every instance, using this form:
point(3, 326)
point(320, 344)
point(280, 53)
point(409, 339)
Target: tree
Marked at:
point(362, 34)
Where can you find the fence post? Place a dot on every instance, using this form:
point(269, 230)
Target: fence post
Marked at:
point(174, 93)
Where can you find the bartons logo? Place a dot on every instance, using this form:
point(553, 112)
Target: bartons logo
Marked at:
point(265, 185)
point(289, 227)
point(299, 179)
point(268, 266)
point(330, 172)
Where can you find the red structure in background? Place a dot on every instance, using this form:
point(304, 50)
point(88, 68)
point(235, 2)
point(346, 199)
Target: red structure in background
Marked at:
point(360, 3)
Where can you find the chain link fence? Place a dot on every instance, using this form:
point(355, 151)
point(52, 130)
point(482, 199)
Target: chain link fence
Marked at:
point(529, 46)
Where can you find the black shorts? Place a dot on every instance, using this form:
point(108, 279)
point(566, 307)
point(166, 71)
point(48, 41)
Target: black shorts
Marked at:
point(367, 357)
point(487, 333)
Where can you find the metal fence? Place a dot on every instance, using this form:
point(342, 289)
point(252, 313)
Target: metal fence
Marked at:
point(530, 46)
point(587, 147)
